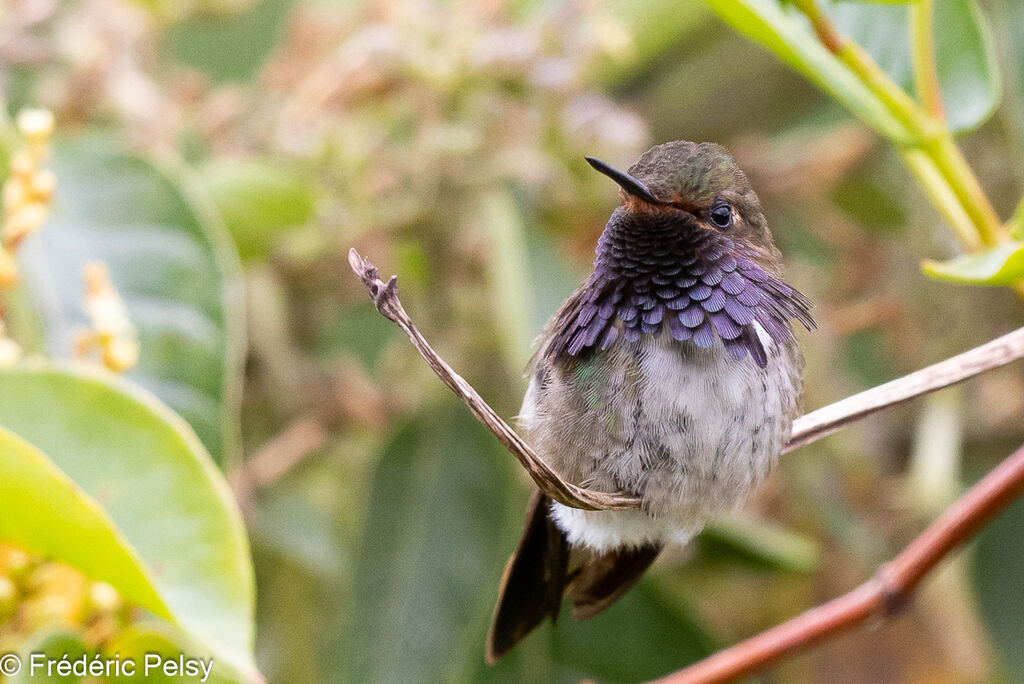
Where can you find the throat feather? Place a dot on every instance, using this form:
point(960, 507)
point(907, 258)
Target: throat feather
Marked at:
point(700, 285)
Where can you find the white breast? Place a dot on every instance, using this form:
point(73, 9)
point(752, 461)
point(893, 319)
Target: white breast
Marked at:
point(693, 432)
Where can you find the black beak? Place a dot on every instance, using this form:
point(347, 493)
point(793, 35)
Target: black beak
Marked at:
point(626, 182)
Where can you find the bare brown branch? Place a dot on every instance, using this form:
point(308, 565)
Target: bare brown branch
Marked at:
point(385, 297)
point(823, 422)
point(883, 595)
point(806, 429)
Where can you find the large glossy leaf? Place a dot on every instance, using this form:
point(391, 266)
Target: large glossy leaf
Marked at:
point(1002, 265)
point(257, 199)
point(786, 32)
point(438, 530)
point(127, 494)
point(996, 570)
point(641, 637)
point(964, 53)
point(968, 72)
point(172, 265)
point(52, 645)
point(138, 640)
point(43, 510)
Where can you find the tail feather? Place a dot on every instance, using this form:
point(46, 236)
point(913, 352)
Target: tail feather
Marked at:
point(606, 578)
point(533, 583)
point(537, 576)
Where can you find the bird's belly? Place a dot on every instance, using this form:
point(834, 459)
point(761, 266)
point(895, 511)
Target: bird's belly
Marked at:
point(689, 430)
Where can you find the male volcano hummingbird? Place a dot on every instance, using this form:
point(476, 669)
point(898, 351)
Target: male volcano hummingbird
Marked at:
point(671, 374)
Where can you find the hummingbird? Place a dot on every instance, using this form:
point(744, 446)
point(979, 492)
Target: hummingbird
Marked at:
point(672, 374)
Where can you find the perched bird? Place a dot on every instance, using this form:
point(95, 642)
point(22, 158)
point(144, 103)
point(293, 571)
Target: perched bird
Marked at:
point(671, 374)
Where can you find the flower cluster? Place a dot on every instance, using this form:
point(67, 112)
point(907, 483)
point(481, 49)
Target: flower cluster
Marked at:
point(28, 190)
point(38, 594)
point(111, 332)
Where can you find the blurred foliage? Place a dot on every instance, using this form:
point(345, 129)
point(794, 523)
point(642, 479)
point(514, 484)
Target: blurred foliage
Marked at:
point(171, 265)
point(107, 443)
point(445, 140)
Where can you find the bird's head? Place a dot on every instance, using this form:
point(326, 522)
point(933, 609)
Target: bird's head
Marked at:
point(696, 183)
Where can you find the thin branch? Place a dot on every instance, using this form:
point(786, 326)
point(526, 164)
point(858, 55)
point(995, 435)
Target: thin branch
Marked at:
point(888, 592)
point(806, 429)
point(385, 297)
point(823, 422)
point(280, 455)
point(826, 31)
point(277, 458)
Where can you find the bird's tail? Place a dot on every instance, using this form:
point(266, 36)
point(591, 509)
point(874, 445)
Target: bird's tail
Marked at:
point(538, 575)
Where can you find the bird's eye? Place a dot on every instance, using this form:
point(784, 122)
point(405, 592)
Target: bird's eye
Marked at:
point(721, 215)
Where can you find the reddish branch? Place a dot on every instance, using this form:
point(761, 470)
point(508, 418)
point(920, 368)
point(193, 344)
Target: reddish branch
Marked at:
point(883, 595)
point(892, 585)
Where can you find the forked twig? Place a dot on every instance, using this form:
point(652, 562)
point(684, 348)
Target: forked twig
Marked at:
point(883, 595)
point(385, 297)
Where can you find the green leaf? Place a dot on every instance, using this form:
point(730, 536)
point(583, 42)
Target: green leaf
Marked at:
point(787, 33)
point(46, 512)
point(148, 638)
point(997, 565)
point(229, 46)
point(257, 199)
point(52, 645)
point(761, 544)
point(172, 265)
point(1016, 223)
point(438, 530)
point(641, 637)
point(128, 496)
point(964, 53)
point(1002, 265)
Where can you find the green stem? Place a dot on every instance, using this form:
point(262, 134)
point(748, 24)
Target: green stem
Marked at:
point(958, 173)
point(932, 181)
point(922, 42)
point(895, 98)
point(934, 158)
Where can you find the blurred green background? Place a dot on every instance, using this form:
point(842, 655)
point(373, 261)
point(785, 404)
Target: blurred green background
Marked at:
point(445, 140)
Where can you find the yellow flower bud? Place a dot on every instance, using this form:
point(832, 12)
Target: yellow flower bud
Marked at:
point(8, 270)
point(97, 277)
point(10, 352)
point(22, 222)
point(15, 562)
point(49, 610)
point(23, 165)
point(44, 184)
point(36, 124)
point(8, 598)
point(102, 598)
point(120, 354)
point(16, 193)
